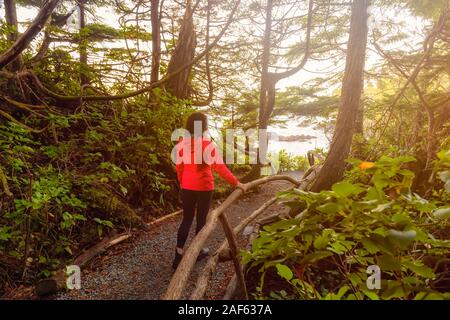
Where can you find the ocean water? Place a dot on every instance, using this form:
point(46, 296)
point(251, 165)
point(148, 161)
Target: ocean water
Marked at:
point(299, 126)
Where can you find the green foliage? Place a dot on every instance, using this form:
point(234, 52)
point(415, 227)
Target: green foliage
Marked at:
point(289, 162)
point(101, 224)
point(371, 217)
point(297, 101)
point(426, 8)
point(96, 164)
point(98, 32)
point(84, 177)
point(442, 168)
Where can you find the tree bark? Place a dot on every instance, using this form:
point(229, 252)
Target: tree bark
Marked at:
point(359, 127)
point(265, 66)
point(11, 20)
point(184, 51)
point(24, 40)
point(65, 99)
point(208, 100)
point(156, 41)
point(232, 243)
point(268, 83)
point(210, 267)
point(352, 86)
point(265, 87)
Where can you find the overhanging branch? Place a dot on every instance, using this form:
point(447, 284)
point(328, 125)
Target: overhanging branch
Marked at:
point(23, 41)
point(63, 98)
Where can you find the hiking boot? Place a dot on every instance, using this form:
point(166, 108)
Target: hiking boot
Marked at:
point(203, 254)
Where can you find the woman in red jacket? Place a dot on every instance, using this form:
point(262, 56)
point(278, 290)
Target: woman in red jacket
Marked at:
point(197, 156)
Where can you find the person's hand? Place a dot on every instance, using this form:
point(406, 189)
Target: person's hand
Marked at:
point(242, 186)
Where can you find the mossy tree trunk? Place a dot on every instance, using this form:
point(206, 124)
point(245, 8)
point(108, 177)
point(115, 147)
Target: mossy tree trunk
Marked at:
point(156, 40)
point(184, 51)
point(352, 87)
point(11, 20)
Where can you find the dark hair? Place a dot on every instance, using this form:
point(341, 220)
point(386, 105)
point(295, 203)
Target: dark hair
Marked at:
point(193, 118)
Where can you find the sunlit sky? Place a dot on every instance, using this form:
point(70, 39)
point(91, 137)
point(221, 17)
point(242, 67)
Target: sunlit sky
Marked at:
point(411, 25)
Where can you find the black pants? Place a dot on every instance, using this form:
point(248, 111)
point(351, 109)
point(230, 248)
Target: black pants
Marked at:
point(192, 199)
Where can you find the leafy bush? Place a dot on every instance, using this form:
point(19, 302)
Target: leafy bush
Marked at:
point(60, 192)
point(370, 218)
point(289, 162)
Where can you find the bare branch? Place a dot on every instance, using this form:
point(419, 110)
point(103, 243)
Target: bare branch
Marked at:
point(23, 41)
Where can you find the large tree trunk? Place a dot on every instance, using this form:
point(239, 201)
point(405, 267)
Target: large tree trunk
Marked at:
point(264, 95)
point(352, 86)
point(184, 51)
point(268, 84)
point(11, 20)
point(359, 127)
point(156, 41)
point(24, 40)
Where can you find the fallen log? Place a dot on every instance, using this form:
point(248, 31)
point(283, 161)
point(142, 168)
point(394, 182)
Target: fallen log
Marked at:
point(180, 277)
point(219, 255)
point(170, 215)
point(232, 287)
point(58, 281)
point(233, 291)
point(232, 243)
point(273, 218)
point(99, 248)
point(223, 253)
point(308, 178)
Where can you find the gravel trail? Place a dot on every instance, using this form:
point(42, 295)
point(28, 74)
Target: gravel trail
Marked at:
point(140, 268)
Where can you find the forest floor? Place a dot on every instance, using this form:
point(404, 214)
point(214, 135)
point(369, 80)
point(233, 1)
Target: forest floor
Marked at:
point(141, 267)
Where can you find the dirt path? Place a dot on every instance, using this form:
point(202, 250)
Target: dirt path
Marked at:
point(141, 267)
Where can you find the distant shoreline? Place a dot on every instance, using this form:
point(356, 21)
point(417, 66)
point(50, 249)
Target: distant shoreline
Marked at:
point(297, 138)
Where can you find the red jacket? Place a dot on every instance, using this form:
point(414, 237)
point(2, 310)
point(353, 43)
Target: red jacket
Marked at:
point(197, 175)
